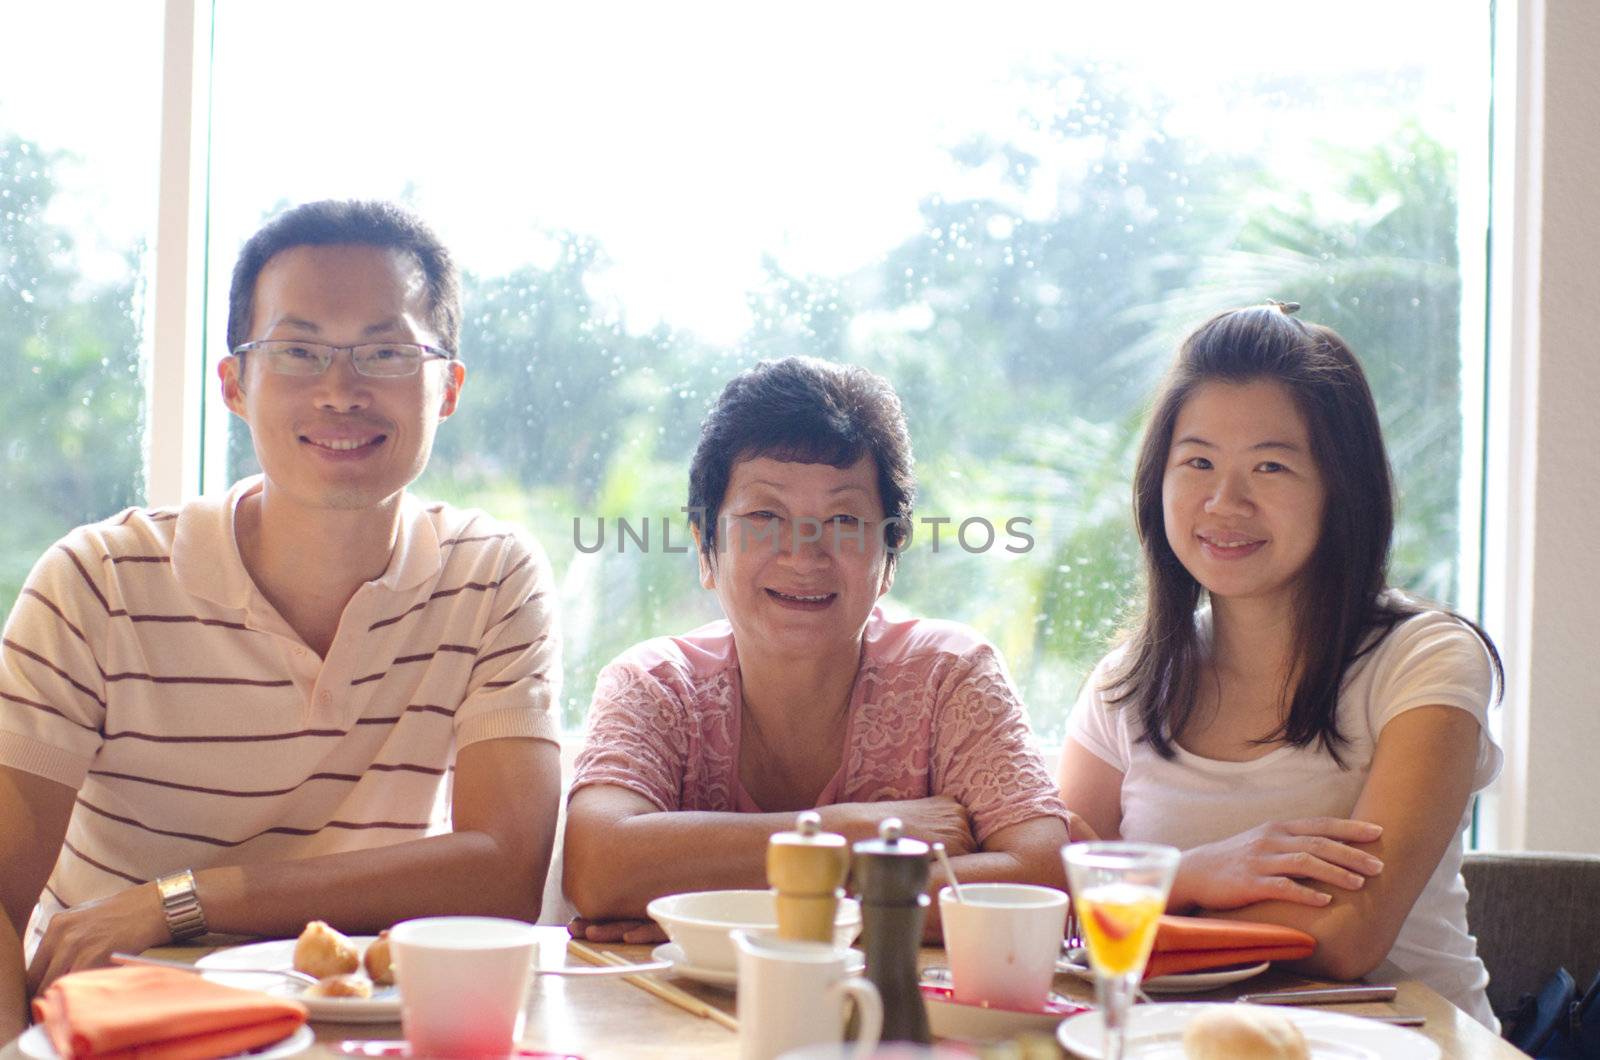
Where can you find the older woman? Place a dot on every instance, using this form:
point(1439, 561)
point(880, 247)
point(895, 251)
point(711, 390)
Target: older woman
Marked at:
point(702, 746)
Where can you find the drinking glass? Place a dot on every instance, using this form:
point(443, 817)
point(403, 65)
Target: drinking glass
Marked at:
point(1119, 891)
point(463, 983)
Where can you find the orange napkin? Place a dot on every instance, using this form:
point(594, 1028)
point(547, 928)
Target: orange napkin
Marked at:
point(1194, 944)
point(138, 1013)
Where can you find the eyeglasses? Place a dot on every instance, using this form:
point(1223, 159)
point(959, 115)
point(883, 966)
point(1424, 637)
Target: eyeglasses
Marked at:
point(384, 360)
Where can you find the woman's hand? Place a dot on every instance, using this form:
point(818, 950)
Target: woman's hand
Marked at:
point(934, 819)
point(931, 819)
point(1264, 864)
point(635, 932)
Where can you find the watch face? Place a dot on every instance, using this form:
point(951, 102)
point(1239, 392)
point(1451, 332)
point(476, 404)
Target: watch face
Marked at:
point(175, 881)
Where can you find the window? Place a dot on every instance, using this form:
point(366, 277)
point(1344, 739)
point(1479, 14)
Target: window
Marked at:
point(77, 215)
point(1014, 218)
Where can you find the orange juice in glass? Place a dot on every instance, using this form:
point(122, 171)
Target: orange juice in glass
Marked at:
point(1120, 890)
point(1119, 924)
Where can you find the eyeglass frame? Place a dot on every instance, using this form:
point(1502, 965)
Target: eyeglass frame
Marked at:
point(429, 353)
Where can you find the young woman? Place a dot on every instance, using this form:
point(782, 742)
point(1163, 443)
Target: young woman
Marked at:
point(701, 746)
point(1308, 736)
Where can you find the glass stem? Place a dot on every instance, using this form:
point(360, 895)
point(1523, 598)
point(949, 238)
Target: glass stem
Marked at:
point(1115, 994)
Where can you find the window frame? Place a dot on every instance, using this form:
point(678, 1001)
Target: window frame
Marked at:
point(185, 453)
point(174, 464)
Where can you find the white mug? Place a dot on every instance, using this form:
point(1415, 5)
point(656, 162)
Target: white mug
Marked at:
point(1003, 940)
point(791, 995)
point(463, 982)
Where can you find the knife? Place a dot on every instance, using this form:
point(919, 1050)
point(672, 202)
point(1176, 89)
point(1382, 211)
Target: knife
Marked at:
point(1331, 995)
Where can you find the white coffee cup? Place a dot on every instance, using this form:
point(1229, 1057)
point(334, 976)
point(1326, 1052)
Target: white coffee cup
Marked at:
point(1002, 941)
point(463, 982)
point(791, 995)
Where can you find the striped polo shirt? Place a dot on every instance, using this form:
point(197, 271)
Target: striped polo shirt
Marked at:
point(142, 667)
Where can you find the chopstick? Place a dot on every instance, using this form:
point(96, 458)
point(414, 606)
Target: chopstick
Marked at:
point(670, 994)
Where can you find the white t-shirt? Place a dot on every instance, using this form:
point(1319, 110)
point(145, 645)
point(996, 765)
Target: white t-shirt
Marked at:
point(1187, 801)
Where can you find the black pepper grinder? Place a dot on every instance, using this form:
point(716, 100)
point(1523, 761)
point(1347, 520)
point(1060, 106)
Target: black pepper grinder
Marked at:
point(890, 876)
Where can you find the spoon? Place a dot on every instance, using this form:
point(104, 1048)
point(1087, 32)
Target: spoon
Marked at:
point(309, 980)
point(949, 873)
point(128, 958)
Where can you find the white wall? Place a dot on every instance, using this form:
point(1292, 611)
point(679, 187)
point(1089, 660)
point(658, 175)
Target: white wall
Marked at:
point(1543, 579)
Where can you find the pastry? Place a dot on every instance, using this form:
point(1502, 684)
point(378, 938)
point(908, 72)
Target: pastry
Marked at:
point(1228, 1032)
point(377, 961)
point(341, 986)
point(322, 951)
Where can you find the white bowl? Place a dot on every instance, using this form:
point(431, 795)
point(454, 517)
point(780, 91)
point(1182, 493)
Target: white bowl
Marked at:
point(699, 923)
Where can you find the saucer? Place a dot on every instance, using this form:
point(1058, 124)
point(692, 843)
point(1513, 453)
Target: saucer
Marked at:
point(854, 964)
point(1075, 962)
point(671, 951)
point(949, 1018)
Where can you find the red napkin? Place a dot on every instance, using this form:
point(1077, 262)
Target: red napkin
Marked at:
point(1194, 944)
point(139, 1013)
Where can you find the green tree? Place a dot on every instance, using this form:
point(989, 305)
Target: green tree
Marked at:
point(72, 447)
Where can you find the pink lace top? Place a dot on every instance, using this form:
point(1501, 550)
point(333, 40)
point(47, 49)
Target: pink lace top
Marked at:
point(933, 712)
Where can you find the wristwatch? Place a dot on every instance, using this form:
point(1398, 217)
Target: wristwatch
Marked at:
point(181, 904)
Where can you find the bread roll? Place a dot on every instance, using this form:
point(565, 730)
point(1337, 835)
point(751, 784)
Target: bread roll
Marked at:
point(1229, 1032)
point(341, 986)
point(322, 951)
point(377, 961)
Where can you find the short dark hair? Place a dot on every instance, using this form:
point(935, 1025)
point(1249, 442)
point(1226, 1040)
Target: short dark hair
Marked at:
point(1342, 613)
point(334, 222)
point(808, 411)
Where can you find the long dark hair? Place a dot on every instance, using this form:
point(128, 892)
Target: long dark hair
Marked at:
point(1342, 612)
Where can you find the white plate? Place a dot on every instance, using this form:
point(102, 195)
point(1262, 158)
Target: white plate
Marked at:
point(35, 1044)
point(1156, 1033)
point(855, 963)
point(382, 1007)
point(1183, 983)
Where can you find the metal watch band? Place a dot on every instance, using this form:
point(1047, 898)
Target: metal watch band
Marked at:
point(180, 903)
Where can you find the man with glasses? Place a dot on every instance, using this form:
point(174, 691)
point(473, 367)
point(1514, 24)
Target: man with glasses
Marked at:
point(237, 715)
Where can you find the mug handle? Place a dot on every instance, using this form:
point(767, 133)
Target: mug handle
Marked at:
point(869, 1008)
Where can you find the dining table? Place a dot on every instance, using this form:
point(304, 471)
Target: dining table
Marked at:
point(608, 1018)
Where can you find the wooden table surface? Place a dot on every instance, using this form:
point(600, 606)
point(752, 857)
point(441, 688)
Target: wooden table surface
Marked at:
point(606, 1018)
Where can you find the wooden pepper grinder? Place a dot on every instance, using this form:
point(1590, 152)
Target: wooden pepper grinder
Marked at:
point(807, 868)
point(891, 879)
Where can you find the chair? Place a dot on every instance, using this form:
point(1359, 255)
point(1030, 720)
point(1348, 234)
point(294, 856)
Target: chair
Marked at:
point(1533, 913)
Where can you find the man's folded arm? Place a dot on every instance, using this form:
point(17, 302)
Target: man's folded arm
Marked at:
point(493, 863)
